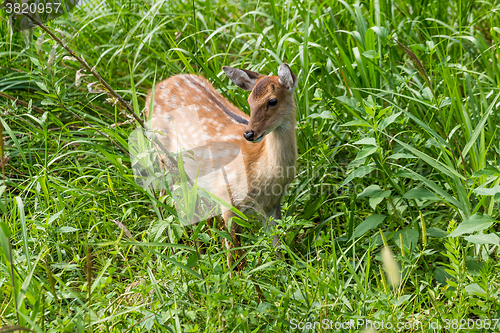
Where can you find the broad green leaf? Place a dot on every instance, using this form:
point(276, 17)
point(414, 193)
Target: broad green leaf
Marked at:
point(14, 138)
point(473, 266)
point(402, 300)
point(410, 237)
point(365, 152)
point(371, 222)
point(358, 173)
point(488, 171)
point(192, 260)
point(487, 191)
point(387, 121)
point(441, 275)
point(42, 86)
point(322, 115)
point(474, 288)
point(404, 173)
point(382, 32)
point(445, 102)
point(4, 240)
point(436, 232)
point(377, 198)
point(66, 229)
point(24, 229)
point(356, 122)
point(484, 239)
point(420, 194)
point(349, 101)
point(35, 61)
point(205, 238)
point(366, 141)
point(263, 307)
point(427, 94)
point(2, 205)
point(241, 222)
point(375, 193)
point(401, 155)
point(371, 54)
point(369, 191)
point(477, 222)
point(55, 216)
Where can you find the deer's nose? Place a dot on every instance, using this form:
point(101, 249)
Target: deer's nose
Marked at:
point(249, 135)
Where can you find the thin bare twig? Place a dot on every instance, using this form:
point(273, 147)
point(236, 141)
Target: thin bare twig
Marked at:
point(87, 67)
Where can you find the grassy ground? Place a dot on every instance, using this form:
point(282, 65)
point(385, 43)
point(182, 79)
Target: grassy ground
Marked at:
point(398, 144)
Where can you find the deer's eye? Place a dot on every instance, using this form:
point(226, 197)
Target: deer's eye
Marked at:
point(272, 102)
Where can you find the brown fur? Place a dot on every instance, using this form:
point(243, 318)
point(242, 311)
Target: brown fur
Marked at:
point(269, 164)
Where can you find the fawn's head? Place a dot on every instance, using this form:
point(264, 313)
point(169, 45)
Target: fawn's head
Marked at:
point(271, 101)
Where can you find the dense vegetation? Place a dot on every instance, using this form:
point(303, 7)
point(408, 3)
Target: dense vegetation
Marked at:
point(398, 144)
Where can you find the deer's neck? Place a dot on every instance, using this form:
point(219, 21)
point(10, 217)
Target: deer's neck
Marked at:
point(281, 149)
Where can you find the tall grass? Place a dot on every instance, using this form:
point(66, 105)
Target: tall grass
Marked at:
point(398, 146)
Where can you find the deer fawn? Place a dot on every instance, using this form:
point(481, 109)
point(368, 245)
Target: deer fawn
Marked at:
point(257, 154)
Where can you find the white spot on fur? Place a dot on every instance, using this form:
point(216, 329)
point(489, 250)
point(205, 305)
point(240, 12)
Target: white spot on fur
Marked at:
point(190, 84)
point(229, 137)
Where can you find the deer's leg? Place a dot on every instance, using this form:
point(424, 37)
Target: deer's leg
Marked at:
point(277, 211)
point(273, 214)
point(163, 168)
point(234, 231)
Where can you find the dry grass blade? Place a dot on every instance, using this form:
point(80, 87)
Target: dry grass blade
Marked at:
point(125, 229)
point(15, 328)
point(417, 65)
point(391, 267)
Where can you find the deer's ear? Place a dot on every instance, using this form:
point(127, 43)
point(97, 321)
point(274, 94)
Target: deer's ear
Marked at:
point(241, 77)
point(286, 77)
